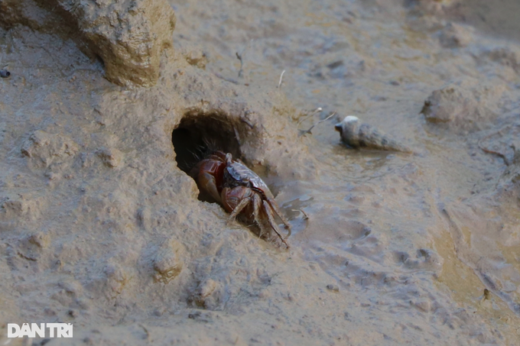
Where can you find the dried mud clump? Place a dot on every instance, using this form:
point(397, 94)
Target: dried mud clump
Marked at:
point(509, 57)
point(44, 148)
point(459, 109)
point(196, 58)
point(111, 157)
point(167, 262)
point(456, 36)
point(207, 295)
point(128, 36)
point(117, 278)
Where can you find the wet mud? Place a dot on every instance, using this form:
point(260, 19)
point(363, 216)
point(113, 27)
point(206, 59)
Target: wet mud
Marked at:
point(101, 224)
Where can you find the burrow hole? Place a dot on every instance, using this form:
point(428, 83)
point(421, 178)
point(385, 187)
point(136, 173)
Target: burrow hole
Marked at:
point(199, 134)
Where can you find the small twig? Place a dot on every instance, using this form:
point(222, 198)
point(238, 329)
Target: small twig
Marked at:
point(239, 57)
point(515, 157)
point(492, 152)
point(305, 216)
point(265, 129)
point(281, 79)
point(316, 111)
point(230, 80)
point(302, 132)
point(488, 151)
point(29, 258)
point(146, 331)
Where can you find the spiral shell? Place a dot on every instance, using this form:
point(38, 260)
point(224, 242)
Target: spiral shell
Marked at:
point(358, 135)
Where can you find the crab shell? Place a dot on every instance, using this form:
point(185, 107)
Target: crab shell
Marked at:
point(358, 135)
point(238, 174)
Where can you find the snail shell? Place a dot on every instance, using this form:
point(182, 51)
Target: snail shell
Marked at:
point(5, 73)
point(358, 135)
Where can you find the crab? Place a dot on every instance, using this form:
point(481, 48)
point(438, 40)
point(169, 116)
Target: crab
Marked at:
point(240, 191)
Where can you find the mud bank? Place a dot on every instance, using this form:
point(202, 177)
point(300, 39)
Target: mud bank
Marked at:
point(101, 226)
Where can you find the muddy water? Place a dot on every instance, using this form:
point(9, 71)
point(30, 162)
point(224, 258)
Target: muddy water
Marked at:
point(398, 248)
point(413, 216)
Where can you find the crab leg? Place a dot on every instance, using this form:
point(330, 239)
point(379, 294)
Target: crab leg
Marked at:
point(243, 203)
point(268, 211)
point(257, 204)
point(278, 212)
